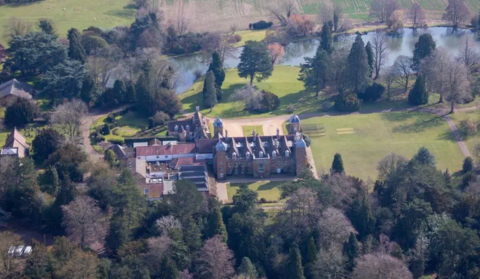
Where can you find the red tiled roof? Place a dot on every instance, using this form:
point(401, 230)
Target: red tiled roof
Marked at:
point(165, 149)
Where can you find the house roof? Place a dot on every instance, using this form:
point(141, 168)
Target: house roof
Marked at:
point(16, 88)
point(165, 149)
point(16, 140)
point(294, 119)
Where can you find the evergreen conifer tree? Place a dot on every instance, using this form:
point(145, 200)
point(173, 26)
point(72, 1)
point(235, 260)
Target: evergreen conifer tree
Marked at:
point(46, 26)
point(210, 91)
point(424, 157)
point(119, 91)
point(294, 264)
point(192, 234)
point(255, 62)
point(337, 165)
point(311, 251)
point(216, 225)
point(216, 68)
point(369, 51)
point(358, 68)
point(423, 48)
point(467, 165)
point(75, 48)
point(326, 41)
point(131, 93)
point(247, 269)
point(351, 250)
point(418, 95)
point(315, 71)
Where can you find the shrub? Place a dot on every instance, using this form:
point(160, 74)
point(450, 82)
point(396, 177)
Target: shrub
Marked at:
point(116, 141)
point(262, 24)
point(307, 139)
point(45, 143)
point(372, 92)
point(235, 38)
point(468, 178)
point(467, 128)
point(347, 103)
point(99, 138)
point(111, 118)
point(20, 113)
point(327, 105)
point(270, 101)
point(106, 129)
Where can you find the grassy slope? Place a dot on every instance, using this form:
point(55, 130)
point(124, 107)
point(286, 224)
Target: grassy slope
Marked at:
point(266, 189)
point(127, 125)
point(80, 14)
point(378, 134)
point(282, 83)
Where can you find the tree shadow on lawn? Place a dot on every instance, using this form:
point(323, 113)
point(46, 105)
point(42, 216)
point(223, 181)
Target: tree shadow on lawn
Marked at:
point(269, 186)
point(420, 125)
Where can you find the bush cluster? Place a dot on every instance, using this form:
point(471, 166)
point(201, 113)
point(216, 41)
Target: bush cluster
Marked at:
point(372, 92)
point(262, 24)
point(347, 103)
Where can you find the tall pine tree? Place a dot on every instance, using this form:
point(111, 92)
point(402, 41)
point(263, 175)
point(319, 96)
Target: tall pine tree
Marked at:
point(216, 225)
point(217, 69)
point(75, 48)
point(247, 269)
point(351, 250)
point(326, 41)
point(294, 264)
point(369, 51)
point(209, 91)
point(358, 68)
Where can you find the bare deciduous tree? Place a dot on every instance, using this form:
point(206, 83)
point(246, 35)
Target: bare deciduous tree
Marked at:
point(331, 263)
point(166, 223)
point(416, 15)
point(326, 13)
point(457, 13)
point(339, 66)
point(215, 260)
point(468, 55)
point(380, 52)
point(335, 228)
point(402, 66)
point(16, 27)
point(390, 164)
point(84, 221)
point(69, 117)
point(434, 68)
point(10, 267)
point(103, 63)
point(380, 266)
point(389, 76)
point(250, 96)
point(383, 9)
point(158, 248)
point(276, 51)
point(302, 210)
point(282, 11)
point(458, 85)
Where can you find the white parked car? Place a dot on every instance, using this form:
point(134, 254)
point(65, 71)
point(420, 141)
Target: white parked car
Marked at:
point(19, 251)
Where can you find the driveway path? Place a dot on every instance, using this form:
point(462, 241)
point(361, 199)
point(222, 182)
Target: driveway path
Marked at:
point(85, 130)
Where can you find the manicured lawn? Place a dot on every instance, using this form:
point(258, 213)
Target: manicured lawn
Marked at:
point(80, 14)
point(128, 125)
point(472, 140)
point(268, 190)
point(283, 83)
point(248, 130)
point(250, 35)
point(364, 139)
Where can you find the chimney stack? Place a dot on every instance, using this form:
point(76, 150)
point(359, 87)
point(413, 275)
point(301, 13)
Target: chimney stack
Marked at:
point(197, 108)
point(226, 133)
point(278, 132)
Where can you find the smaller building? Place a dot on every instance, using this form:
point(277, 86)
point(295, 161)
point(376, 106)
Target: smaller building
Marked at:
point(15, 145)
point(13, 89)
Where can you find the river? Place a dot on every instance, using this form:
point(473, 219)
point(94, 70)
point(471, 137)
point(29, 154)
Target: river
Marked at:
point(401, 43)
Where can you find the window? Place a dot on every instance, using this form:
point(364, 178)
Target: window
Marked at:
point(234, 155)
point(247, 155)
point(287, 153)
point(274, 154)
point(260, 154)
point(220, 169)
point(295, 128)
point(146, 192)
point(261, 168)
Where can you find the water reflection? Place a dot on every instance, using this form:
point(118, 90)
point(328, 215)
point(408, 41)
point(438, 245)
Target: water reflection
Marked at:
point(400, 43)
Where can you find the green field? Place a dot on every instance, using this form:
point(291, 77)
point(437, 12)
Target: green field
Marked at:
point(250, 35)
point(66, 14)
point(266, 189)
point(248, 130)
point(364, 139)
point(282, 83)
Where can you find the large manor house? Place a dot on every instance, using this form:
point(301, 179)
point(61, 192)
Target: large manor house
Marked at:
point(203, 156)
